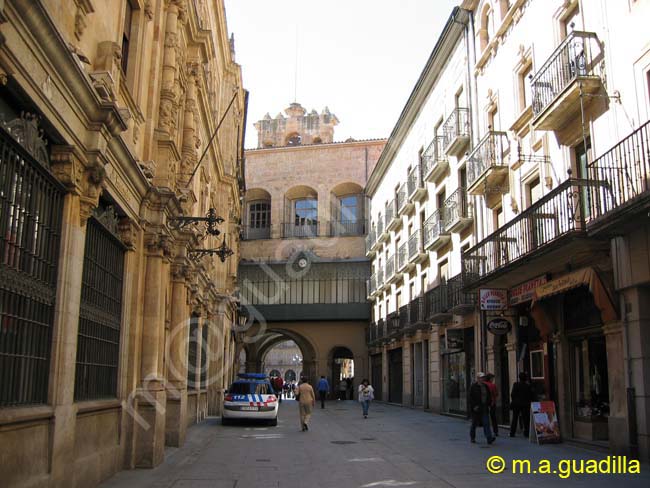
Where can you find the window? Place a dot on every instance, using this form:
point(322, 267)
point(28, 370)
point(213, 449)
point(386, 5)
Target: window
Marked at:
point(398, 300)
point(533, 191)
point(525, 93)
point(349, 208)
point(294, 140)
point(572, 21)
point(443, 270)
point(192, 353)
point(306, 211)
point(259, 215)
point(537, 365)
point(412, 290)
point(126, 35)
point(498, 219)
point(493, 118)
point(423, 283)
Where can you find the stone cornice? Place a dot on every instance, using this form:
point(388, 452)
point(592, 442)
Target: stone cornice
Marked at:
point(452, 32)
point(317, 147)
point(39, 24)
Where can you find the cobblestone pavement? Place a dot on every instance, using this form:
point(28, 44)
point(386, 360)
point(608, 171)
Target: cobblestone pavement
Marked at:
point(393, 447)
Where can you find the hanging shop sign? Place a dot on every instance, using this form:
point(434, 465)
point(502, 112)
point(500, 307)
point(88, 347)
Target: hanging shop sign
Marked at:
point(493, 299)
point(525, 292)
point(499, 326)
point(543, 417)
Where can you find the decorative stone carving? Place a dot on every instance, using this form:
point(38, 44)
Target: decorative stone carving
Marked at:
point(108, 217)
point(4, 77)
point(158, 244)
point(128, 232)
point(25, 131)
point(148, 10)
point(148, 168)
point(84, 8)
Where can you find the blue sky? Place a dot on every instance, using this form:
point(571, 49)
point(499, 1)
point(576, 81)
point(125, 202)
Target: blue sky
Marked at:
point(361, 58)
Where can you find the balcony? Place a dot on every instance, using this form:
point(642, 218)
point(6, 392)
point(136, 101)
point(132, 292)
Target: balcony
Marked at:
point(415, 184)
point(417, 313)
point(487, 168)
point(457, 131)
point(572, 71)
point(460, 302)
point(434, 160)
point(381, 284)
point(435, 233)
point(403, 204)
point(403, 315)
point(554, 227)
point(371, 239)
point(392, 270)
point(347, 228)
point(372, 286)
point(457, 210)
point(417, 254)
point(393, 220)
point(402, 257)
point(253, 233)
point(626, 170)
point(437, 304)
point(300, 231)
point(392, 325)
point(382, 233)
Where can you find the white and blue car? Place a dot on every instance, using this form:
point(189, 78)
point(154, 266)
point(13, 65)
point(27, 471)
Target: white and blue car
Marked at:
point(251, 397)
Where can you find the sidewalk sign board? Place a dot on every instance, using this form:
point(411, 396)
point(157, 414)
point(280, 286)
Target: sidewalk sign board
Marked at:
point(543, 419)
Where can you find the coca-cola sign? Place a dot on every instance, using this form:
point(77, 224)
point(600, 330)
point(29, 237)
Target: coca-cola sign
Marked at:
point(499, 326)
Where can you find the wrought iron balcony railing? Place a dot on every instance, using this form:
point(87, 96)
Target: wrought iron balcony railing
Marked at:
point(251, 233)
point(561, 212)
point(437, 301)
point(415, 245)
point(489, 153)
point(380, 277)
point(390, 267)
point(626, 170)
point(344, 228)
point(579, 56)
point(392, 324)
point(402, 256)
point(371, 238)
point(403, 317)
point(381, 329)
point(300, 231)
point(417, 311)
point(372, 284)
point(380, 226)
point(457, 210)
point(458, 299)
point(456, 128)
point(392, 216)
point(400, 197)
point(414, 181)
point(434, 227)
point(434, 159)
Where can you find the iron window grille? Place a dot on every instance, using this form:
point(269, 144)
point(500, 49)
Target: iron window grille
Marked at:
point(192, 350)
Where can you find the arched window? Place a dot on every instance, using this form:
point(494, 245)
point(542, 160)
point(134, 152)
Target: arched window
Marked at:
point(259, 220)
point(486, 32)
point(294, 139)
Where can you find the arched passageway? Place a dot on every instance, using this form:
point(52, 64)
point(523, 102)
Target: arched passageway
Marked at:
point(341, 365)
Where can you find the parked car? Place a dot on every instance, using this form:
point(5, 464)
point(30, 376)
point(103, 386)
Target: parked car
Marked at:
point(251, 397)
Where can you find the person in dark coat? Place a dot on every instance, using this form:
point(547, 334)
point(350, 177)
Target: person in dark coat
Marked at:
point(520, 399)
point(480, 400)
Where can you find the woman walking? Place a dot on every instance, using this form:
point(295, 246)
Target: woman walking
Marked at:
point(366, 395)
point(306, 401)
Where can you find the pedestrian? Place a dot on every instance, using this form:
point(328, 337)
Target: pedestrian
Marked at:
point(343, 389)
point(479, 405)
point(323, 388)
point(366, 395)
point(278, 384)
point(306, 402)
point(520, 399)
point(494, 394)
point(351, 387)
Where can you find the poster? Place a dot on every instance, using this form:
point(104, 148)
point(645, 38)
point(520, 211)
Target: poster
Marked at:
point(543, 418)
point(493, 299)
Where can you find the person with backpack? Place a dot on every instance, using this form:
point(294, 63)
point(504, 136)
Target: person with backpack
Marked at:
point(480, 400)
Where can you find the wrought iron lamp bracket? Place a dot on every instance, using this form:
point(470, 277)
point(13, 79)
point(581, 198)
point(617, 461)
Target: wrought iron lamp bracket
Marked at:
point(210, 222)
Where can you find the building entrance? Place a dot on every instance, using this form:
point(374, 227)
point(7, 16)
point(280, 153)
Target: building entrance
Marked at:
point(395, 375)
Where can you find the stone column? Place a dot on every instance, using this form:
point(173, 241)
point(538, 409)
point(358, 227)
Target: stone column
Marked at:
point(83, 184)
point(435, 371)
point(176, 387)
point(617, 422)
point(151, 394)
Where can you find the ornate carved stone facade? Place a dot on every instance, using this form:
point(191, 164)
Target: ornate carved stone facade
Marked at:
point(112, 104)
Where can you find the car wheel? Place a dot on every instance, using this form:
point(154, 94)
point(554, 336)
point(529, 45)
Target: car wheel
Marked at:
point(273, 422)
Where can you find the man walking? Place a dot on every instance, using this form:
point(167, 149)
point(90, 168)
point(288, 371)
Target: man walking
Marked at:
point(323, 388)
point(278, 385)
point(479, 404)
point(494, 394)
point(343, 389)
point(521, 397)
point(306, 402)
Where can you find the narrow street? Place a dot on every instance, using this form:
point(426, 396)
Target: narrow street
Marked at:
point(393, 447)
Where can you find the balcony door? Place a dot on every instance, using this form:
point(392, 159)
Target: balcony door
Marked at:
point(305, 217)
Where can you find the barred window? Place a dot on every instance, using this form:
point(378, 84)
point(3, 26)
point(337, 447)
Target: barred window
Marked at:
point(31, 206)
point(192, 352)
point(204, 356)
point(259, 215)
point(100, 313)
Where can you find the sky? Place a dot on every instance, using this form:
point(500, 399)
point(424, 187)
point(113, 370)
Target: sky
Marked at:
point(360, 58)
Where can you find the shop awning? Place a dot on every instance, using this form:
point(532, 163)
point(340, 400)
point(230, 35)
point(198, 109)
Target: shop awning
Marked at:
point(583, 277)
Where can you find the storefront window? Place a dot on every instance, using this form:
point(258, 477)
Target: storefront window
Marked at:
point(458, 369)
point(591, 387)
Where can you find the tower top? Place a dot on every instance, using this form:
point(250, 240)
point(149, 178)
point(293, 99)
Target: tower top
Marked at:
point(297, 128)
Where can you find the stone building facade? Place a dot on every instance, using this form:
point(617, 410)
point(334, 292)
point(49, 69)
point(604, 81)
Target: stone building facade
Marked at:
point(554, 165)
point(116, 334)
point(303, 271)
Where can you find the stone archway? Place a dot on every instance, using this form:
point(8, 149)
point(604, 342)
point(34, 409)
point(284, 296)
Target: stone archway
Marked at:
point(338, 360)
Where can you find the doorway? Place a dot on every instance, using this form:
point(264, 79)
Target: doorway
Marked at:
point(395, 375)
point(376, 374)
point(342, 367)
